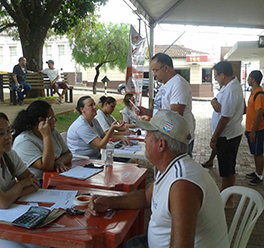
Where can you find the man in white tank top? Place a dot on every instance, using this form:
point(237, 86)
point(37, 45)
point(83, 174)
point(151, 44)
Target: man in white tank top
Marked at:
point(187, 210)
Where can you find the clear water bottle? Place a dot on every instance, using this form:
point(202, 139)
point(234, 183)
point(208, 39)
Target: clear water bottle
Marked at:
point(109, 153)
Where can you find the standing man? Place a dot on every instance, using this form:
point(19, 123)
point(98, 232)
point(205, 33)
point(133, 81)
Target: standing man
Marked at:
point(19, 77)
point(227, 124)
point(186, 205)
point(255, 126)
point(174, 94)
point(55, 83)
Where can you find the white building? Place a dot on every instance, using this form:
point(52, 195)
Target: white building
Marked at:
point(55, 49)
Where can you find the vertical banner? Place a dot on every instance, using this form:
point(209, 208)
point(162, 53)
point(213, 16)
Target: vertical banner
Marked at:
point(135, 65)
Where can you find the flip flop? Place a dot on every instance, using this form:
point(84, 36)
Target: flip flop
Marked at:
point(206, 165)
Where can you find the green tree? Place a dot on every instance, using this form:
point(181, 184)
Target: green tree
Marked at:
point(33, 19)
point(100, 46)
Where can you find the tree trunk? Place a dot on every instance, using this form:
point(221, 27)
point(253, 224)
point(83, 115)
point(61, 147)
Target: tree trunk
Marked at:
point(97, 69)
point(32, 47)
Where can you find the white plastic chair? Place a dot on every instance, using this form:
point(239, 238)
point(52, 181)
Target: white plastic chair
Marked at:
point(64, 137)
point(253, 204)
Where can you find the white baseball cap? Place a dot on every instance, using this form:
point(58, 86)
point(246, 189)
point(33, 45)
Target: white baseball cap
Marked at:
point(170, 123)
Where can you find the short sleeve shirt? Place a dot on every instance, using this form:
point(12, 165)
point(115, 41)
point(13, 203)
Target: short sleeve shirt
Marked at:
point(176, 91)
point(129, 116)
point(105, 121)
point(30, 148)
point(231, 100)
point(8, 182)
point(52, 74)
point(20, 73)
point(81, 134)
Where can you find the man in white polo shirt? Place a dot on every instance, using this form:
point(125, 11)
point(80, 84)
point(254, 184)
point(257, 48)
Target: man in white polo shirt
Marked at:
point(227, 128)
point(54, 77)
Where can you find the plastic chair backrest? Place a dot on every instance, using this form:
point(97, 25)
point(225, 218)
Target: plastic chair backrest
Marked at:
point(249, 209)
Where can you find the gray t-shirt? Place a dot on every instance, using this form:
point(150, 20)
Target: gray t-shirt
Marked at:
point(29, 148)
point(129, 116)
point(105, 121)
point(81, 134)
point(8, 182)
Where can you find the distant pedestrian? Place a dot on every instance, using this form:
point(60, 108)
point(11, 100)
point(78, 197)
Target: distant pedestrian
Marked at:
point(255, 126)
point(19, 77)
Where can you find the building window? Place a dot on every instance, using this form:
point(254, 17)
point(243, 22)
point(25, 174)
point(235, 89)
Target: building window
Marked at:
point(13, 54)
point(206, 76)
point(48, 52)
point(1, 56)
point(184, 73)
point(61, 49)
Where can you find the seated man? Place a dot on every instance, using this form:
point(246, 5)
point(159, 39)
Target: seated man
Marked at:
point(19, 77)
point(54, 77)
point(187, 209)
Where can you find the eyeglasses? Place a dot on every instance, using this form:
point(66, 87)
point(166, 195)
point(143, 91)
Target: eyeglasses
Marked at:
point(156, 70)
point(8, 132)
point(52, 117)
point(217, 75)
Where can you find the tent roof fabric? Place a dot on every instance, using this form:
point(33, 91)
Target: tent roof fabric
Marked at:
point(235, 13)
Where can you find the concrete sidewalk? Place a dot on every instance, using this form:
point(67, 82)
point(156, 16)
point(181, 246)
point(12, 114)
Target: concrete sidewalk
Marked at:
point(245, 163)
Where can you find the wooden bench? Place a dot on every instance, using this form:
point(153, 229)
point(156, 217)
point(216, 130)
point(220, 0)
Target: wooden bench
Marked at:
point(36, 81)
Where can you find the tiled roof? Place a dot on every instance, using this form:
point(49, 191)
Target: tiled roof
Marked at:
point(176, 51)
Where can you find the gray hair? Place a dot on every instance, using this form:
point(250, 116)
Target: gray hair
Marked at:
point(174, 146)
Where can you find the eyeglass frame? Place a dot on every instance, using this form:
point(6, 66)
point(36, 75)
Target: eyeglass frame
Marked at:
point(217, 75)
point(8, 132)
point(52, 117)
point(155, 71)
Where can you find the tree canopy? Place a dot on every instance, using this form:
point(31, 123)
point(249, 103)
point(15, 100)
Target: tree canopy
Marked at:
point(101, 46)
point(33, 19)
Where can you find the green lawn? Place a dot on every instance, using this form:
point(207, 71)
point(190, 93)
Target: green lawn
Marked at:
point(64, 121)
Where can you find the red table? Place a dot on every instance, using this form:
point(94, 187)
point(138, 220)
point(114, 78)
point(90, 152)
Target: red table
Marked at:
point(109, 233)
point(121, 177)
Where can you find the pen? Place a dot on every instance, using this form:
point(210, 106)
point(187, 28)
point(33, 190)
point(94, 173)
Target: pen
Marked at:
point(134, 106)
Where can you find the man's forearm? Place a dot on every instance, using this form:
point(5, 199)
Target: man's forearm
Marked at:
point(134, 200)
point(15, 80)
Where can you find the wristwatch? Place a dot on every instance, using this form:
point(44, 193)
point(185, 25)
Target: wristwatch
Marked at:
point(213, 140)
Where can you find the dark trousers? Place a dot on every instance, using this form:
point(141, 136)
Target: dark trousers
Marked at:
point(25, 90)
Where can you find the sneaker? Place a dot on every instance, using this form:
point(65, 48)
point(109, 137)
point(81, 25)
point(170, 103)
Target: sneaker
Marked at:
point(256, 181)
point(251, 175)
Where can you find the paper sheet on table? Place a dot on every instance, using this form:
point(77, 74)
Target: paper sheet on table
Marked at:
point(13, 212)
point(128, 149)
point(80, 172)
point(61, 198)
point(136, 137)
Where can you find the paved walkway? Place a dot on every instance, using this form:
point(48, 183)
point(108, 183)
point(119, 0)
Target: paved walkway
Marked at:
point(202, 111)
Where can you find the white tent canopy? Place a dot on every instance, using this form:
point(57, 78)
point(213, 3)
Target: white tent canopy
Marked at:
point(234, 13)
point(227, 13)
